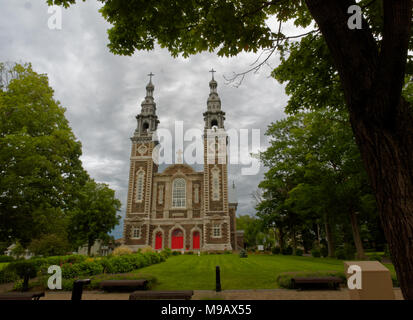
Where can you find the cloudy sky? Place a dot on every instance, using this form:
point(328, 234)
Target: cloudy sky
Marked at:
point(102, 92)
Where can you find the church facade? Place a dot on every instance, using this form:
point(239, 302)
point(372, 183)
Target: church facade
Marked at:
point(180, 208)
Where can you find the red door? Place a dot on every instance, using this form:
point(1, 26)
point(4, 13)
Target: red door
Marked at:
point(158, 241)
point(195, 240)
point(177, 239)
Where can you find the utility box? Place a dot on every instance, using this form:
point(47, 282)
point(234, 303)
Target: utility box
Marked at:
point(375, 280)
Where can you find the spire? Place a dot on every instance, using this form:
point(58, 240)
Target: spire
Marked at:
point(214, 102)
point(214, 116)
point(147, 119)
point(150, 87)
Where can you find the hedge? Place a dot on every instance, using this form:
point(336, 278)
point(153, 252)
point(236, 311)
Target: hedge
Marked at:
point(78, 265)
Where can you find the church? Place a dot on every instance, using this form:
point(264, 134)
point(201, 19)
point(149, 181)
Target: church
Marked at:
point(180, 208)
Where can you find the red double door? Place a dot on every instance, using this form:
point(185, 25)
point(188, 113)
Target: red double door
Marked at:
point(158, 241)
point(178, 240)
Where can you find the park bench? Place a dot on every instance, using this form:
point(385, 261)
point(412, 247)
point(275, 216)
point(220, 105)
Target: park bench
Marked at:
point(21, 295)
point(316, 282)
point(124, 285)
point(161, 295)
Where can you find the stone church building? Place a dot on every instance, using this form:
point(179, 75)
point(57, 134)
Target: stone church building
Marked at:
point(180, 208)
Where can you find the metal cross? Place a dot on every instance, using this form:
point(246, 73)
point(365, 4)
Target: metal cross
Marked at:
point(212, 71)
point(179, 153)
point(150, 76)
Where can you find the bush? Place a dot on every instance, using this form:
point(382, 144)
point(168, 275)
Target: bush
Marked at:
point(49, 245)
point(316, 253)
point(299, 252)
point(189, 252)
point(287, 251)
point(167, 252)
point(276, 250)
point(147, 249)
point(243, 254)
point(25, 270)
point(119, 251)
point(340, 254)
point(375, 257)
point(176, 253)
point(6, 259)
point(324, 251)
point(7, 275)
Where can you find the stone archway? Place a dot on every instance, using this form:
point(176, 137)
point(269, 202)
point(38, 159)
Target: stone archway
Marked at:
point(177, 239)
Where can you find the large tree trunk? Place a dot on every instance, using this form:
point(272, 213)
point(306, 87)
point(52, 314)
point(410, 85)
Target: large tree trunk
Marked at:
point(382, 123)
point(330, 239)
point(356, 235)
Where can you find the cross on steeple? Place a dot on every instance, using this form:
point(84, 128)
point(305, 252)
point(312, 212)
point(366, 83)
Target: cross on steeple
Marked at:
point(212, 71)
point(150, 76)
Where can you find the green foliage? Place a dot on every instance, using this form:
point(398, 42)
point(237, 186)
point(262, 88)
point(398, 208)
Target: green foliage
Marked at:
point(6, 258)
point(316, 253)
point(375, 257)
point(39, 156)
point(243, 254)
point(23, 268)
point(251, 226)
point(299, 252)
point(324, 251)
point(95, 214)
point(176, 253)
point(7, 275)
point(287, 251)
point(50, 245)
point(276, 250)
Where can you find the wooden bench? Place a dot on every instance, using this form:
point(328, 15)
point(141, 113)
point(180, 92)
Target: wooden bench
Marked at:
point(316, 282)
point(21, 295)
point(161, 295)
point(124, 285)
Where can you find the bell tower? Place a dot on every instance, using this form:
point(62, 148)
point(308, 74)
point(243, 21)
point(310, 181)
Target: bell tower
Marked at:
point(217, 231)
point(142, 168)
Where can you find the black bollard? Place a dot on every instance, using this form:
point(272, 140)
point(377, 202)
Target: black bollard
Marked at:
point(218, 279)
point(78, 289)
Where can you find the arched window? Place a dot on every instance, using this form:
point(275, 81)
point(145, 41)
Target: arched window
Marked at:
point(139, 186)
point(178, 193)
point(215, 184)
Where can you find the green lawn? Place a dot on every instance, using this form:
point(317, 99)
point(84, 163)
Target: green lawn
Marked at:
point(192, 272)
point(3, 264)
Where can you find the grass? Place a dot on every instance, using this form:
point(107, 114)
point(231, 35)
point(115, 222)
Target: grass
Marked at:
point(3, 265)
point(191, 272)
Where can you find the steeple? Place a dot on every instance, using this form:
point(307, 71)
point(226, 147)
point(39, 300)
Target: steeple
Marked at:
point(147, 119)
point(214, 116)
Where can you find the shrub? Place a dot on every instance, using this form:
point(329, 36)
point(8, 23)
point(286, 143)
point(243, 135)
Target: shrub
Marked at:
point(25, 269)
point(324, 251)
point(7, 275)
point(189, 252)
point(166, 252)
point(375, 257)
point(119, 251)
point(299, 252)
point(176, 253)
point(6, 259)
point(227, 252)
point(50, 245)
point(147, 249)
point(316, 253)
point(287, 251)
point(340, 254)
point(276, 250)
point(243, 254)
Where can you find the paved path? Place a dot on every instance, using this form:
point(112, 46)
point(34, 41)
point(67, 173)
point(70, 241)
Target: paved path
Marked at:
point(270, 294)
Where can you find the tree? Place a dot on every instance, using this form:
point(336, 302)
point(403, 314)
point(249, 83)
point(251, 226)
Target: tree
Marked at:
point(251, 227)
point(40, 169)
point(50, 245)
point(94, 216)
point(371, 63)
